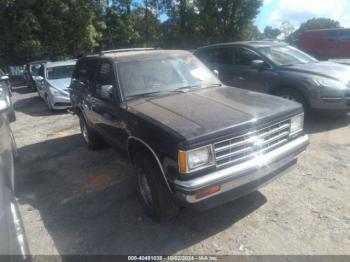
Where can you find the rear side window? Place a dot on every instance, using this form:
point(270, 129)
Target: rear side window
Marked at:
point(245, 57)
point(332, 36)
point(344, 35)
point(85, 71)
point(220, 56)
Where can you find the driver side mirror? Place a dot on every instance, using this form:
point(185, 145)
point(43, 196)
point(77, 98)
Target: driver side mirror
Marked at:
point(107, 91)
point(257, 64)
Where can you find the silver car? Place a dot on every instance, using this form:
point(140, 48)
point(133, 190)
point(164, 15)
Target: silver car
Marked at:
point(12, 238)
point(53, 81)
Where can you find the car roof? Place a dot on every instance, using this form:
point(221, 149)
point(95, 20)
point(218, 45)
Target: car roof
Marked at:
point(326, 30)
point(38, 62)
point(137, 54)
point(253, 44)
point(61, 63)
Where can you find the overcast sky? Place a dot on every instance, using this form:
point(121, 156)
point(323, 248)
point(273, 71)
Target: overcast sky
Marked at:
point(273, 12)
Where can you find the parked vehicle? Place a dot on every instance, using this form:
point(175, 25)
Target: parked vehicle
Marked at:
point(279, 69)
point(53, 81)
point(326, 43)
point(194, 141)
point(5, 93)
point(12, 241)
point(31, 71)
point(5, 80)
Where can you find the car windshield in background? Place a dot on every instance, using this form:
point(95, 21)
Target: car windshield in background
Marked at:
point(59, 72)
point(286, 55)
point(162, 75)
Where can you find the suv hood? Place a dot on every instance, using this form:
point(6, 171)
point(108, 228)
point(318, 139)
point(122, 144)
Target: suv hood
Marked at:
point(325, 69)
point(61, 84)
point(195, 115)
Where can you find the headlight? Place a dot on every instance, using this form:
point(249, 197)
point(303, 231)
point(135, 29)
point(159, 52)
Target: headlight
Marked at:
point(296, 124)
point(325, 82)
point(56, 92)
point(195, 159)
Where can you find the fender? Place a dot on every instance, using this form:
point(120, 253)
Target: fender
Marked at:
point(154, 154)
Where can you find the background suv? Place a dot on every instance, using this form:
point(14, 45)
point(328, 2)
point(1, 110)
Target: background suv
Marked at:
point(279, 69)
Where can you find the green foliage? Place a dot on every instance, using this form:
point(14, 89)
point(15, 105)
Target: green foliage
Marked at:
point(314, 23)
point(57, 29)
point(38, 29)
point(271, 33)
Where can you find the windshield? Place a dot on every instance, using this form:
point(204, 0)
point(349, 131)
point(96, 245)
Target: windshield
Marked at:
point(162, 75)
point(59, 72)
point(286, 55)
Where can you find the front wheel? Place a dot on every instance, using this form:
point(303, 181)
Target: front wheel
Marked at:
point(293, 95)
point(92, 140)
point(158, 202)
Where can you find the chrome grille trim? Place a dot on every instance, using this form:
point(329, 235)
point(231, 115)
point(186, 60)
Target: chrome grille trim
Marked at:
point(241, 148)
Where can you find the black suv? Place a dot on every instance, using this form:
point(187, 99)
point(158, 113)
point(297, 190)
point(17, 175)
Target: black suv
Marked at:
point(194, 141)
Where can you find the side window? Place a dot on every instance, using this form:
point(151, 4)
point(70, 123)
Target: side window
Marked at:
point(344, 36)
point(207, 56)
point(220, 56)
point(332, 36)
point(105, 82)
point(244, 57)
point(41, 71)
point(105, 74)
point(85, 71)
point(224, 56)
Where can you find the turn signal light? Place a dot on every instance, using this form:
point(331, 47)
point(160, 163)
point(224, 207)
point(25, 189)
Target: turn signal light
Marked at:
point(182, 158)
point(208, 191)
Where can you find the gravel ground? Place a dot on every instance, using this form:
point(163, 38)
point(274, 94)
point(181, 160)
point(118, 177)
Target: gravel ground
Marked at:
point(76, 201)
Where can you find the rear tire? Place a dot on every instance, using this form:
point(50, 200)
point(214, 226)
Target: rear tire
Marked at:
point(92, 140)
point(157, 200)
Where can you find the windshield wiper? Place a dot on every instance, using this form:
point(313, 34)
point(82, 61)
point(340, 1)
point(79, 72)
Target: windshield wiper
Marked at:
point(156, 93)
point(184, 88)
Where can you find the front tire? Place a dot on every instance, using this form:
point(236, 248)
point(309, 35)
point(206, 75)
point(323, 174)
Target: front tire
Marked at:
point(293, 95)
point(92, 140)
point(157, 200)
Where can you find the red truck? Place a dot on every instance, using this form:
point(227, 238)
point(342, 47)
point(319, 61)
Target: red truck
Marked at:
point(326, 43)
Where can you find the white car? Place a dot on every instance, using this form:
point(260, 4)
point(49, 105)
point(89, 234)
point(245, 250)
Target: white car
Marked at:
point(53, 81)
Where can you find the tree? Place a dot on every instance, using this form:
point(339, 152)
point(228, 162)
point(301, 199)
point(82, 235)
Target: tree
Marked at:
point(255, 34)
point(286, 29)
point(51, 29)
point(271, 33)
point(200, 22)
point(314, 23)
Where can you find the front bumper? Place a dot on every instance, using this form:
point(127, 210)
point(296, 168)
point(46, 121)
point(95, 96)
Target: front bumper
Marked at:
point(332, 104)
point(60, 102)
point(241, 179)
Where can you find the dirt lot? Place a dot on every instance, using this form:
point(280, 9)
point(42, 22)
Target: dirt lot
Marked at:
point(75, 201)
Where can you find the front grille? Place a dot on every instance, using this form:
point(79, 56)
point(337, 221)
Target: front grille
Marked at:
point(242, 148)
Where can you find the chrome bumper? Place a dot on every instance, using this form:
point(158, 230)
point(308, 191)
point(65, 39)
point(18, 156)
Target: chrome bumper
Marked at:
point(242, 174)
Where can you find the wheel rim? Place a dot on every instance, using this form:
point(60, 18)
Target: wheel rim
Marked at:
point(145, 189)
point(84, 131)
point(289, 97)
